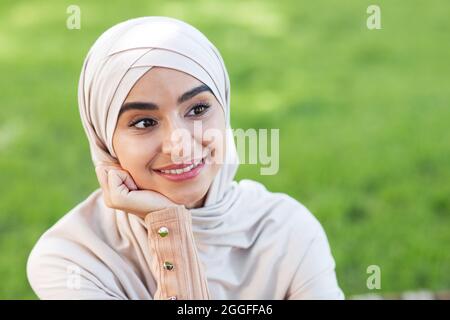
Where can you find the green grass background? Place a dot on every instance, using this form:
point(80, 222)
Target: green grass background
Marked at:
point(363, 118)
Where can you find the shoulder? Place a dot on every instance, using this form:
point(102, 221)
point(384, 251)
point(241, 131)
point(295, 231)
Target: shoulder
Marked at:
point(309, 263)
point(63, 249)
point(81, 219)
point(281, 206)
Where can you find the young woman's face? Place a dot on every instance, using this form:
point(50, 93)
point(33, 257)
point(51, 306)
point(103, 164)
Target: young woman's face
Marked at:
point(155, 131)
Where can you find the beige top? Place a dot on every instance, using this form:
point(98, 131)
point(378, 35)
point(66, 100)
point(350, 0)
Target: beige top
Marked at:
point(94, 252)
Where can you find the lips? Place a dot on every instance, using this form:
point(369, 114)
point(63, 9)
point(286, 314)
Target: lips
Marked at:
point(180, 168)
point(189, 171)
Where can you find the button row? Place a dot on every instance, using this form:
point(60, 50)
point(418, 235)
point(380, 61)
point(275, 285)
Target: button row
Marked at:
point(163, 232)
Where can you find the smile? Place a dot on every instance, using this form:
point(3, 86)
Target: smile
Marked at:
point(187, 172)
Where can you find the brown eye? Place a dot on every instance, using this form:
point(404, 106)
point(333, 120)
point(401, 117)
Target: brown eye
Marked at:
point(198, 109)
point(145, 123)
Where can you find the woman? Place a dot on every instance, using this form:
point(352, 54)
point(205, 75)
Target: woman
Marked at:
point(169, 222)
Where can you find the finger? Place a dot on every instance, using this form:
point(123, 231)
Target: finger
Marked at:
point(102, 173)
point(117, 187)
point(126, 179)
point(129, 182)
point(102, 176)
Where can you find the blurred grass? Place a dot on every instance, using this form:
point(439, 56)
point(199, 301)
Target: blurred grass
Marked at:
point(363, 118)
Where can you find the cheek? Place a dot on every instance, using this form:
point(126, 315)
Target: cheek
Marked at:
point(215, 138)
point(135, 153)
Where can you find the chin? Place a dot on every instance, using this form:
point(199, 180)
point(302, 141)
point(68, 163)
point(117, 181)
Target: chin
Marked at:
point(189, 199)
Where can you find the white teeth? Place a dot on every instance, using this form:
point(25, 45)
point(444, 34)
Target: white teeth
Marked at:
point(180, 171)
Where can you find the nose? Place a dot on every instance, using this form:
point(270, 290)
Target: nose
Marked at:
point(177, 141)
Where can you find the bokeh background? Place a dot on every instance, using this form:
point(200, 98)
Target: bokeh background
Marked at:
point(363, 117)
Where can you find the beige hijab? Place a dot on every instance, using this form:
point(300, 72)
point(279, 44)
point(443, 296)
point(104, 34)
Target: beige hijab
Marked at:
point(255, 244)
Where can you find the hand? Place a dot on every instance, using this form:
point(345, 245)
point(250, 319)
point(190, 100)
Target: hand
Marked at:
point(120, 192)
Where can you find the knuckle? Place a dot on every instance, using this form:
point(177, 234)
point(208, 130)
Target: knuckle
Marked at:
point(107, 202)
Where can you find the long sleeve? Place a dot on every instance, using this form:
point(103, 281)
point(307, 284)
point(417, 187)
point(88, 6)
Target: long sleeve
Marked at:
point(177, 268)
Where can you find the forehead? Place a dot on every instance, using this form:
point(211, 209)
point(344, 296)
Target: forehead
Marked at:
point(161, 83)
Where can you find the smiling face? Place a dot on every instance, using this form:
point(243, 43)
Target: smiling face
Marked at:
point(161, 137)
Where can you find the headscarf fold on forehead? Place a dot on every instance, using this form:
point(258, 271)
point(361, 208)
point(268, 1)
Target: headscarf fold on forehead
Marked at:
point(123, 54)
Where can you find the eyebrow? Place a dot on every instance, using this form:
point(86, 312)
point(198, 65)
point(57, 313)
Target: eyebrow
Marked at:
point(153, 106)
